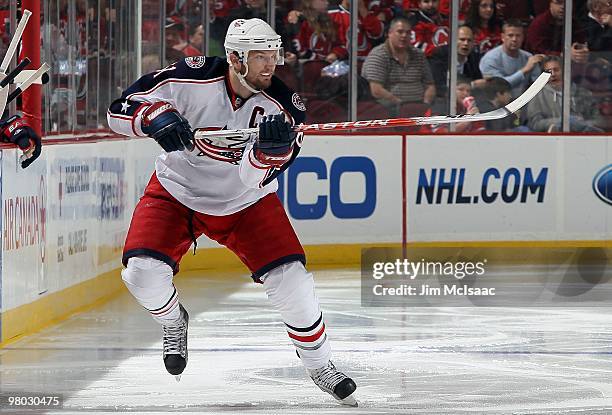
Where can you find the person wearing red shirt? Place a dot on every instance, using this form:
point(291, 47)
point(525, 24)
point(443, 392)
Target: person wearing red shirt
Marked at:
point(313, 33)
point(482, 18)
point(545, 34)
point(429, 27)
point(196, 41)
point(370, 29)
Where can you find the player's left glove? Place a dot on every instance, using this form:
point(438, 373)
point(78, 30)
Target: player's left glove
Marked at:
point(16, 130)
point(274, 145)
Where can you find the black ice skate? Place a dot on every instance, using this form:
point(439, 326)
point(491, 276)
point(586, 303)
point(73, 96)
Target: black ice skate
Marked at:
point(175, 345)
point(337, 384)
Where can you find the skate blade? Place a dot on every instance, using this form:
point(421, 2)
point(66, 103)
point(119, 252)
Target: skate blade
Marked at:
point(178, 378)
point(349, 401)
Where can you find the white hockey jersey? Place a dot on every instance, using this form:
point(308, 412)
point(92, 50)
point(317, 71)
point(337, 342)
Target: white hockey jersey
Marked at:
point(216, 178)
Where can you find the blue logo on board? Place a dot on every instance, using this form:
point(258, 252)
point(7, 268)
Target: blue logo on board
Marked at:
point(602, 184)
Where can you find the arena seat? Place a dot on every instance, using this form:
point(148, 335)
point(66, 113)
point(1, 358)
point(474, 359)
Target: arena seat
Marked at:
point(311, 73)
point(371, 110)
point(413, 109)
point(319, 111)
point(287, 74)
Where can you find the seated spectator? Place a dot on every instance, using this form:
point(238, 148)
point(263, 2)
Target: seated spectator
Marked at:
point(175, 43)
point(514, 9)
point(196, 41)
point(219, 15)
point(396, 71)
point(250, 9)
point(578, 7)
point(467, 60)
point(482, 18)
point(429, 27)
point(313, 33)
point(497, 93)
point(545, 34)
point(5, 35)
point(509, 61)
point(597, 28)
point(545, 109)
point(370, 29)
point(385, 10)
point(465, 104)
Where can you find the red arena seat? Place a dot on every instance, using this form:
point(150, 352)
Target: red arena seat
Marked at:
point(371, 110)
point(287, 74)
point(325, 111)
point(311, 73)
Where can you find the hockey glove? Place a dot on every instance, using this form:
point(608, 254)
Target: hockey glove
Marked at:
point(274, 145)
point(16, 130)
point(165, 125)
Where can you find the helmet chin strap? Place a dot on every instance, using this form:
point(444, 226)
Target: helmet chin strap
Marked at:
point(242, 78)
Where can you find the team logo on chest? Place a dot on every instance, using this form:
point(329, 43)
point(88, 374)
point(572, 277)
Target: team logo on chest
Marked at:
point(226, 148)
point(195, 62)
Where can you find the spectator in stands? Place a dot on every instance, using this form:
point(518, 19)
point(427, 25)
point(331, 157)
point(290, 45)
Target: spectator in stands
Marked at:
point(545, 34)
point(467, 59)
point(313, 33)
point(196, 41)
point(597, 28)
point(429, 27)
point(396, 71)
point(545, 109)
point(250, 9)
point(219, 20)
point(509, 61)
point(515, 9)
point(540, 6)
point(175, 43)
point(482, 18)
point(465, 104)
point(497, 94)
point(370, 26)
point(5, 33)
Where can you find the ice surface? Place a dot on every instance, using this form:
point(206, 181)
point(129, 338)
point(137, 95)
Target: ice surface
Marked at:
point(404, 360)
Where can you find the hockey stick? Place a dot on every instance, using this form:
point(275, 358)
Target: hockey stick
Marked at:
point(10, 77)
point(23, 75)
point(15, 41)
point(512, 107)
point(29, 81)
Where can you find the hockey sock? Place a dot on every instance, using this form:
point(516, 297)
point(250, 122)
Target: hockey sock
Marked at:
point(150, 282)
point(290, 288)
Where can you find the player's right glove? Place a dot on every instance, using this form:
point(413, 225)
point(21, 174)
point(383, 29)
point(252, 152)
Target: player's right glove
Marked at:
point(165, 125)
point(274, 145)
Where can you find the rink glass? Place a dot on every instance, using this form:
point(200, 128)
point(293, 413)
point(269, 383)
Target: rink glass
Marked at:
point(97, 48)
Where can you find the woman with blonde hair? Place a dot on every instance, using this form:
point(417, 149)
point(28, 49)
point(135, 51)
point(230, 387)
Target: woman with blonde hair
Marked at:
point(313, 33)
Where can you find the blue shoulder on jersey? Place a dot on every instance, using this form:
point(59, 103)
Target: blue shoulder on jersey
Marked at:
point(194, 67)
point(289, 100)
point(293, 104)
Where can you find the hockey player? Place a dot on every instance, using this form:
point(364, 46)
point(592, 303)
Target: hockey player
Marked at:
point(223, 189)
point(16, 130)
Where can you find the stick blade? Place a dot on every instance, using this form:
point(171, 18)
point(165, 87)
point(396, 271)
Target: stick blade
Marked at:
point(528, 95)
point(502, 112)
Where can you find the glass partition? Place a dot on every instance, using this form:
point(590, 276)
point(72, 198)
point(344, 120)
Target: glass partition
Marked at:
point(90, 46)
point(403, 68)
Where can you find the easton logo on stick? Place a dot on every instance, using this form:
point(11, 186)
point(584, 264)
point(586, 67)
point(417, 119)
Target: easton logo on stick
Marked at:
point(345, 125)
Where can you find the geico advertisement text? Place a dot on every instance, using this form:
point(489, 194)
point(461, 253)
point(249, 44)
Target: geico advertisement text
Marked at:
point(357, 201)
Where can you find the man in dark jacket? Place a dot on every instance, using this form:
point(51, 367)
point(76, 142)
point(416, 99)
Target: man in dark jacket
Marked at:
point(597, 28)
point(467, 58)
point(545, 34)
